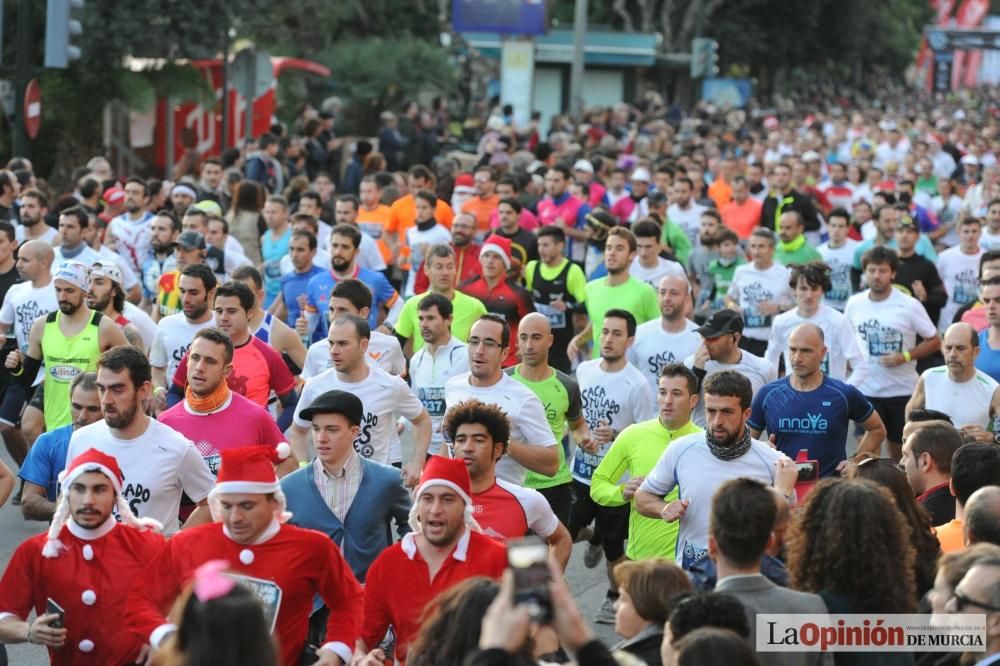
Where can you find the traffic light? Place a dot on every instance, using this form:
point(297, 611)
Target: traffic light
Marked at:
point(704, 57)
point(62, 28)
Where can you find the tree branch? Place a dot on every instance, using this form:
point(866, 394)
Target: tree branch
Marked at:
point(623, 12)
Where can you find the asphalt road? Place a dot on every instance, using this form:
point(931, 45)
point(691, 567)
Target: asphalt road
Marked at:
point(588, 585)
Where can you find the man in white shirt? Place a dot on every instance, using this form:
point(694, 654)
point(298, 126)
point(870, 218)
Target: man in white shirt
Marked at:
point(353, 297)
point(697, 465)
point(838, 254)
point(72, 225)
point(159, 463)
point(990, 238)
point(648, 265)
point(887, 322)
point(959, 270)
point(174, 333)
point(720, 350)
point(671, 338)
point(131, 229)
point(684, 212)
point(442, 357)
point(809, 282)
point(968, 395)
point(759, 291)
point(385, 398)
point(34, 206)
point(532, 443)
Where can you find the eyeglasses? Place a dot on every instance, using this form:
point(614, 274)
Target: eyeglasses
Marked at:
point(961, 601)
point(489, 343)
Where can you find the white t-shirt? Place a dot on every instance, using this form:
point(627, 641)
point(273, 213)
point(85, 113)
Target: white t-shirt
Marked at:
point(383, 352)
point(133, 238)
point(652, 276)
point(965, 402)
point(751, 286)
point(618, 399)
point(654, 348)
point(428, 376)
point(88, 256)
point(385, 397)
point(988, 241)
point(838, 337)
point(24, 304)
point(528, 423)
point(688, 219)
point(158, 466)
point(688, 465)
point(174, 334)
point(960, 274)
point(883, 328)
point(758, 370)
point(48, 235)
point(142, 322)
point(416, 240)
point(840, 260)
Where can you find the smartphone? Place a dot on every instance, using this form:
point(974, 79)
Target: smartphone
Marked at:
point(52, 607)
point(808, 471)
point(528, 560)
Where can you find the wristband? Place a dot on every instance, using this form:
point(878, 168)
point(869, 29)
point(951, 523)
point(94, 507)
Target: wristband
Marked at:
point(907, 356)
point(18, 372)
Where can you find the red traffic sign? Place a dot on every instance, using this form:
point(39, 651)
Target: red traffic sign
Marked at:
point(32, 108)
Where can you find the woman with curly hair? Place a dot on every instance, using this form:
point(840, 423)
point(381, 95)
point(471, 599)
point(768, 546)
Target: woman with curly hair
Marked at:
point(850, 544)
point(886, 472)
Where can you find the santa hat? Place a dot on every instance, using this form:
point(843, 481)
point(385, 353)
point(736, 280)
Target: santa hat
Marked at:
point(250, 469)
point(464, 184)
point(498, 244)
point(451, 473)
point(91, 460)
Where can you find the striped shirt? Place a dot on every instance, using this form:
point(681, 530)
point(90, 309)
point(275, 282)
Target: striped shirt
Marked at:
point(338, 490)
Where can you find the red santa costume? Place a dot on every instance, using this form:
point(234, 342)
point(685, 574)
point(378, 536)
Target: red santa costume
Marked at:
point(286, 567)
point(87, 572)
point(399, 584)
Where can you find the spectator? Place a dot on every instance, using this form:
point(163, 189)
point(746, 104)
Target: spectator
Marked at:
point(713, 646)
point(886, 472)
point(926, 461)
point(646, 593)
point(951, 569)
point(973, 466)
point(979, 591)
point(982, 516)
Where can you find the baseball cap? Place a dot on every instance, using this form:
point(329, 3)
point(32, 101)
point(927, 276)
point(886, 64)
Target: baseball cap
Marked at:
point(209, 207)
point(583, 165)
point(336, 402)
point(641, 174)
point(107, 269)
point(970, 159)
point(191, 240)
point(908, 222)
point(113, 195)
point(721, 322)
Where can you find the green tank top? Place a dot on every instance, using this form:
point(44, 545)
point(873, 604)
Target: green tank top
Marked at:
point(64, 359)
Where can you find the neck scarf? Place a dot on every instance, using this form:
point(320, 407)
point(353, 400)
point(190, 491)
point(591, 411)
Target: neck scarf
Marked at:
point(793, 246)
point(732, 451)
point(424, 226)
point(72, 253)
point(210, 402)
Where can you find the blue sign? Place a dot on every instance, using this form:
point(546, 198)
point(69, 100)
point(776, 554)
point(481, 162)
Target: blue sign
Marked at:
point(733, 93)
point(508, 17)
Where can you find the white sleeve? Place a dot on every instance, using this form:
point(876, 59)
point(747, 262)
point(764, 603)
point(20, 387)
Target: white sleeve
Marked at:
point(234, 260)
point(304, 401)
point(128, 275)
point(734, 288)
point(407, 402)
point(397, 362)
point(312, 366)
point(370, 256)
point(533, 424)
point(397, 308)
point(541, 520)
point(645, 403)
point(774, 347)
point(922, 323)
point(158, 352)
point(7, 310)
point(771, 372)
point(196, 479)
point(660, 480)
point(854, 355)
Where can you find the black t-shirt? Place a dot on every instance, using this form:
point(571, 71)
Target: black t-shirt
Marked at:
point(8, 280)
point(524, 245)
point(921, 268)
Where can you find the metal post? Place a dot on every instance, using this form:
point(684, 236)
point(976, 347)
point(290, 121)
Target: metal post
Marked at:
point(22, 74)
point(251, 89)
point(224, 143)
point(576, 73)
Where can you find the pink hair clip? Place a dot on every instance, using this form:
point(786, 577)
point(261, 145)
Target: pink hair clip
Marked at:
point(209, 583)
